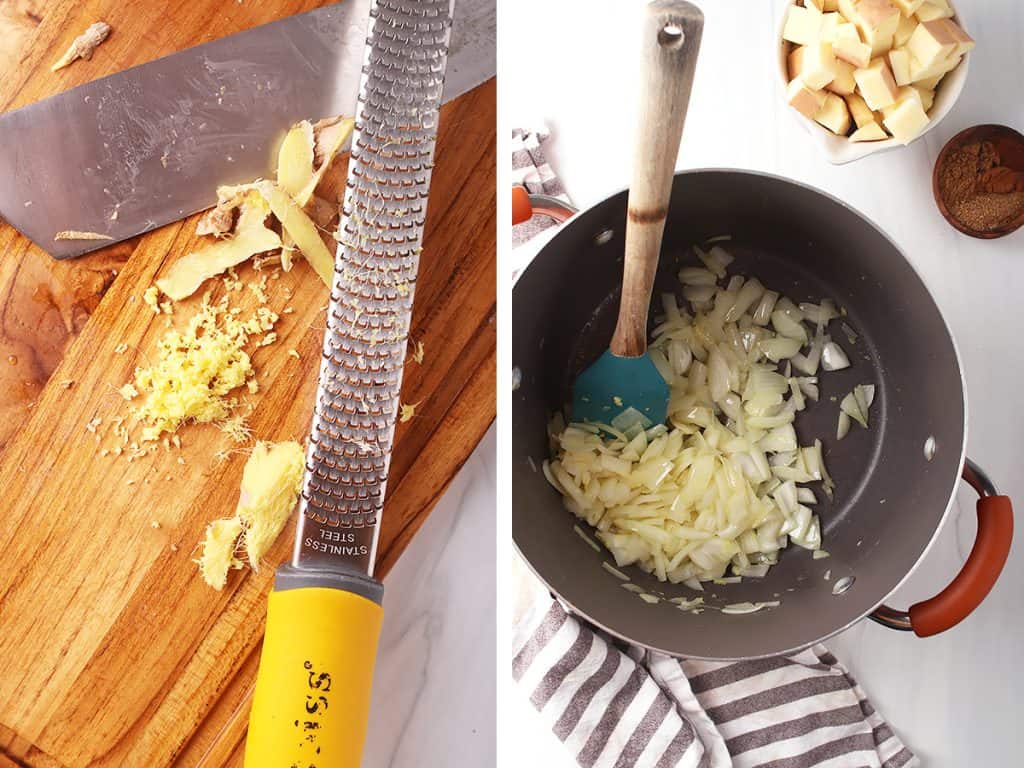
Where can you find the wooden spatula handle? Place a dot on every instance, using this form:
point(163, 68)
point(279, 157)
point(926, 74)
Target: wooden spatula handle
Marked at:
point(671, 38)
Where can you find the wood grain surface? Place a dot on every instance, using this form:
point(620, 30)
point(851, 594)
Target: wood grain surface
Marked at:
point(112, 651)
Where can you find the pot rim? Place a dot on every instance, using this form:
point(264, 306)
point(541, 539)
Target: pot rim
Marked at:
point(943, 520)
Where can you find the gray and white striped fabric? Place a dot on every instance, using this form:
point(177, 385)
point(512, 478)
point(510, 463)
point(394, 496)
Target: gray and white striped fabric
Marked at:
point(530, 168)
point(616, 707)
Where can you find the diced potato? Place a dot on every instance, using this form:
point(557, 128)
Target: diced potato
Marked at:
point(928, 83)
point(877, 21)
point(931, 43)
point(834, 115)
point(795, 61)
point(830, 5)
point(807, 101)
point(870, 132)
point(930, 10)
point(819, 4)
point(818, 65)
point(852, 51)
point(906, 121)
point(847, 30)
point(904, 93)
point(876, 83)
point(964, 42)
point(843, 83)
point(829, 23)
point(927, 97)
point(907, 7)
point(899, 63)
point(904, 30)
point(861, 112)
point(940, 68)
point(803, 25)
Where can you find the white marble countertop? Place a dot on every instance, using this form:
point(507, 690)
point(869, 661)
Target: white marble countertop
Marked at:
point(434, 686)
point(953, 698)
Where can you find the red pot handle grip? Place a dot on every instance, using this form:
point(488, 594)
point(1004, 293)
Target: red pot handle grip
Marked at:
point(978, 575)
point(521, 208)
point(525, 206)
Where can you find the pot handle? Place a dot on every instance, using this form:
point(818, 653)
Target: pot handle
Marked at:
point(526, 205)
point(979, 574)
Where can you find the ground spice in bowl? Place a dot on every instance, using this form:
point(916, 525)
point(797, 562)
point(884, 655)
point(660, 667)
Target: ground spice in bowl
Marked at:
point(980, 183)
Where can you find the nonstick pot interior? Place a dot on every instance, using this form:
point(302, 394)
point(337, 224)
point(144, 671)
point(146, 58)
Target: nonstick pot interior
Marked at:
point(890, 499)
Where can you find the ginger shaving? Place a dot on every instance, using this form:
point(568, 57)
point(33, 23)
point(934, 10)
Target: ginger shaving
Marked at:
point(252, 236)
point(83, 46)
point(300, 228)
point(219, 220)
point(75, 234)
point(295, 159)
point(408, 411)
point(270, 487)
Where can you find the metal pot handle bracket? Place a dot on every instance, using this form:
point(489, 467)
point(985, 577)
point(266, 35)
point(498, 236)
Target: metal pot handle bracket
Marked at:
point(979, 574)
point(526, 205)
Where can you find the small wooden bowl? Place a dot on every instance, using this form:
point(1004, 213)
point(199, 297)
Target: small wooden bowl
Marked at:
point(1010, 145)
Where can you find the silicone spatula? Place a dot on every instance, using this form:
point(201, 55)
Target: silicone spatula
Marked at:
point(623, 384)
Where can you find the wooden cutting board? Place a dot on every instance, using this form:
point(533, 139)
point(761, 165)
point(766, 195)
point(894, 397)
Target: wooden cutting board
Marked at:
point(112, 651)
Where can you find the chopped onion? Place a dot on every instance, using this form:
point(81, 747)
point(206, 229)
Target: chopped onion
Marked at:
point(698, 294)
point(741, 608)
point(593, 544)
point(858, 402)
point(697, 276)
point(850, 333)
point(833, 358)
point(819, 554)
point(615, 571)
point(765, 307)
point(779, 348)
point(844, 425)
point(785, 325)
point(647, 598)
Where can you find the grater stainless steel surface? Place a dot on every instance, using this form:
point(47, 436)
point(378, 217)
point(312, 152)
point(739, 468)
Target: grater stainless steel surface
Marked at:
point(371, 301)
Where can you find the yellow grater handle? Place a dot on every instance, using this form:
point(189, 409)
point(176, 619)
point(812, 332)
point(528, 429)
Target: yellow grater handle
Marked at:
point(312, 698)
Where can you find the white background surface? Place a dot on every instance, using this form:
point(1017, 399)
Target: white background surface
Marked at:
point(434, 687)
point(954, 699)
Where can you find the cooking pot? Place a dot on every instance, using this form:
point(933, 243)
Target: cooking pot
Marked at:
point(896, 480)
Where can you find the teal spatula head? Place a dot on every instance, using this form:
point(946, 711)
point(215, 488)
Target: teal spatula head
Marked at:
point(618, 389)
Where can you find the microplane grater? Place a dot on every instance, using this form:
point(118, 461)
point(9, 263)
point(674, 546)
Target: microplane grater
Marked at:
point(369, 313)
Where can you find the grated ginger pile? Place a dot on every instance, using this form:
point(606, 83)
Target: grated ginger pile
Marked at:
point(196, 369)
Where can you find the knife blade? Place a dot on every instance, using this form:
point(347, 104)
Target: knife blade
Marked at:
point(312, 694)
point(133, 151)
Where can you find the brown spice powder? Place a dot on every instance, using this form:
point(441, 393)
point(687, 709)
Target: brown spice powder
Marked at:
point(978, 209)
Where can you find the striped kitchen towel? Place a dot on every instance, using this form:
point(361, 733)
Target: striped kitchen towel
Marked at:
point(617, 706)
point(530, 168)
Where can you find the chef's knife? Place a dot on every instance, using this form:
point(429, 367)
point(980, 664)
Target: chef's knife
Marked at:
point(147, 146)
point(312, 696)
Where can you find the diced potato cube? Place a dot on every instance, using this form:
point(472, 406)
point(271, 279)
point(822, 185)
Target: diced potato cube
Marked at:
point(861, 112)
point(795, 61)
point(906, 121)
point(843, 83)
point(931, 10)
point(927, 97)
point(834, 115)
point(848, 9)
point(904, 93)
point(803, 25)
point(807, 101)
point(877, 21)
point(930, 83)
point(870, 132)
point(852, 51)
point(918, 72)
point(817, 65)
point(824, 5)
point(907, 7)
point(829, 23)
point(964, 42)
point(819, 4)
point(846, 30)
point(904, 30)
point(899, 63)
point(931, 42)
point(876, 83)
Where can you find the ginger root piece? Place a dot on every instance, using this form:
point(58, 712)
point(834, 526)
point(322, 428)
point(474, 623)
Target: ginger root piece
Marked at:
point(218, 556)
point(74, 234)
point(219, 220)
point(295, 159)
point(300, 228)
point(82, 47)
point(271, 482)
point(252, 236)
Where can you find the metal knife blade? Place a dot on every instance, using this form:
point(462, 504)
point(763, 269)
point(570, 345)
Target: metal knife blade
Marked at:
point(147, 146)
point(374, 282)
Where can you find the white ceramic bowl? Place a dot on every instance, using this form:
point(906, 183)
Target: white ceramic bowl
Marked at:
point(839, 149)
